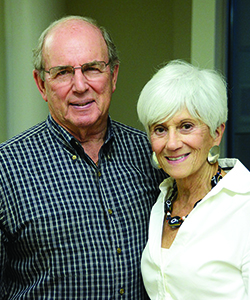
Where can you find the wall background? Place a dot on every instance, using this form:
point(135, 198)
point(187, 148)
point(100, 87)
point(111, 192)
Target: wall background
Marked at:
point(146, 32)
point(3, 119)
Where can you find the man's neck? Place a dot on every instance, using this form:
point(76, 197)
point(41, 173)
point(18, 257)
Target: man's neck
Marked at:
point(92, 142)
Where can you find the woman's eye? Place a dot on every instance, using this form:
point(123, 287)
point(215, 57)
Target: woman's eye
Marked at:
point(187, 126)
point(159, 130)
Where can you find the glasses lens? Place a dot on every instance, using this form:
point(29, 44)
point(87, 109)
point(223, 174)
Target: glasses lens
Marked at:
point(61, 73)
point(91, 71)
point(94, 69)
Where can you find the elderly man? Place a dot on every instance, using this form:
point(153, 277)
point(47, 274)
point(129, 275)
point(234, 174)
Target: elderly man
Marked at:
point(75, 190)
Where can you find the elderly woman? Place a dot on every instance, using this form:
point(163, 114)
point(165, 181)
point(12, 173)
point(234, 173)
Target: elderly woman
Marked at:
point(199, 234)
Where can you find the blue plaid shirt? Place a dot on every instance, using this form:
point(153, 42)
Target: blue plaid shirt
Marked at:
point(70, 229)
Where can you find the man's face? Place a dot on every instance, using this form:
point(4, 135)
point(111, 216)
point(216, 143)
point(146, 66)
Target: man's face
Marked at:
point(78, 103)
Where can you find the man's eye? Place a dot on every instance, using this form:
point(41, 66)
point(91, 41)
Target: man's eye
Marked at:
point(63, 72)
point(94, 69)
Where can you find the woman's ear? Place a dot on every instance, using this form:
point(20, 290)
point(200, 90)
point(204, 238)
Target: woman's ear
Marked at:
point(219, 134)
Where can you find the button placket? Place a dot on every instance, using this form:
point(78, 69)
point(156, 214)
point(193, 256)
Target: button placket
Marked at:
point(122, 291)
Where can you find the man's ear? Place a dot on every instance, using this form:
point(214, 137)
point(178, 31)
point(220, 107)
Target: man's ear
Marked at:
point(114, 77)
point(219, 134)
point(40, 84)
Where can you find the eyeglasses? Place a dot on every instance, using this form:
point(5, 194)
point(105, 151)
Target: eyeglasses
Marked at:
point(91, 71)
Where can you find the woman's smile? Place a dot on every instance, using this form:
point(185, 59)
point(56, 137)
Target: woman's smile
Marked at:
point(177, 158)
point(181, 145)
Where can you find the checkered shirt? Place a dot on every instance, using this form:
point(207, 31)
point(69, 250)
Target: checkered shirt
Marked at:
point(70, 229)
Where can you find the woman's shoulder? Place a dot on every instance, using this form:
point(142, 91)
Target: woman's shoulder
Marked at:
point(238, 176)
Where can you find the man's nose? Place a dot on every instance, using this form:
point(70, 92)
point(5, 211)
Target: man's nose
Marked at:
point(80, 82)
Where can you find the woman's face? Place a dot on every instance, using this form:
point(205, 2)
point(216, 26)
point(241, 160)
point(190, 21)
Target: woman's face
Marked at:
point(182, 144)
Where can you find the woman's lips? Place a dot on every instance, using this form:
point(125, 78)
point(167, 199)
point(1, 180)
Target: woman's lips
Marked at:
point(177, 158)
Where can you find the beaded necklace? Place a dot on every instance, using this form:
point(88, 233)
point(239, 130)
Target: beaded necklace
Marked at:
point(175, 222)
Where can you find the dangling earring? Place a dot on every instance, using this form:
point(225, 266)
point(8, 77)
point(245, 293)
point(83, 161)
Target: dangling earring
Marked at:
point(154, 161)
point(213, 154)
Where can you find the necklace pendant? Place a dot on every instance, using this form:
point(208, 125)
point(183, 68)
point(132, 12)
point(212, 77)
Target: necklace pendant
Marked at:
point(175, 222)
point(168, 216)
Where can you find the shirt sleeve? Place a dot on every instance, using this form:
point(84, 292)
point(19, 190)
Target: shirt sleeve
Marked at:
point(3, 253)
point(3, 257)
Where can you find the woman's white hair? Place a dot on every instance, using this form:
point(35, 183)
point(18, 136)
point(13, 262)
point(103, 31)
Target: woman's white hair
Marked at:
point(180, 85)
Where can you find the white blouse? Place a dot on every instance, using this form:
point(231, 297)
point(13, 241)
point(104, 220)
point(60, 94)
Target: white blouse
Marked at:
point(210, 256)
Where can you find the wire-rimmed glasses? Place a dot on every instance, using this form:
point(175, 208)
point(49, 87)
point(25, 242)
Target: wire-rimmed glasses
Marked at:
point(91, 71)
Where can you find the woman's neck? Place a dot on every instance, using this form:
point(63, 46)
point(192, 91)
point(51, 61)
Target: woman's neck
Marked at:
point(195, 187)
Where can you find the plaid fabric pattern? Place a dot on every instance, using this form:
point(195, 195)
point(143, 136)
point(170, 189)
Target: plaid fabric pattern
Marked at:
point(70, 229)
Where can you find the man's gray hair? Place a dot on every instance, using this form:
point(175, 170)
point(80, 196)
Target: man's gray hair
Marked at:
point(38, 59)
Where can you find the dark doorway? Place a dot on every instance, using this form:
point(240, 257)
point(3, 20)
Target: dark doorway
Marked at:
point(239, 80)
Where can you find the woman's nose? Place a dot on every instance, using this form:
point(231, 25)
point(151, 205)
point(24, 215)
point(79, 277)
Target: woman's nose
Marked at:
point(173, 141)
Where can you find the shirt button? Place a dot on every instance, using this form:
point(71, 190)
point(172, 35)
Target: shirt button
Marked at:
point(110, 211)
point(122, 291)
point(119, 250)
point(74, 157)
point(99, 174)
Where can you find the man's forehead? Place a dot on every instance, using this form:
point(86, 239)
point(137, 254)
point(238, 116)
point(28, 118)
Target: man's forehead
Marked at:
point(70, 27)
point(74, 29)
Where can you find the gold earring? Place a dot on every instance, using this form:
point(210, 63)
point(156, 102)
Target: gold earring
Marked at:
point(154, 161)
point(213, 154)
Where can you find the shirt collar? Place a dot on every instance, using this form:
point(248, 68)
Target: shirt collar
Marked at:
point(236, 180)
point(238, 176)
point(68, 141)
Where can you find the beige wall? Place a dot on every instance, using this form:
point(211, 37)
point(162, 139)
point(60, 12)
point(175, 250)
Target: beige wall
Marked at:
point(23, 23)
point(147, 33)
point(3, 119)
point(203, 45)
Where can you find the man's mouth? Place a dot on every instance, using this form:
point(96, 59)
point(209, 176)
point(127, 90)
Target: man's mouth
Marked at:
point(82, 104)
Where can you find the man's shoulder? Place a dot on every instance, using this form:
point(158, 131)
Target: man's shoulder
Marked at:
point(24, 137)
point(132, 139)
point(129, 130)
